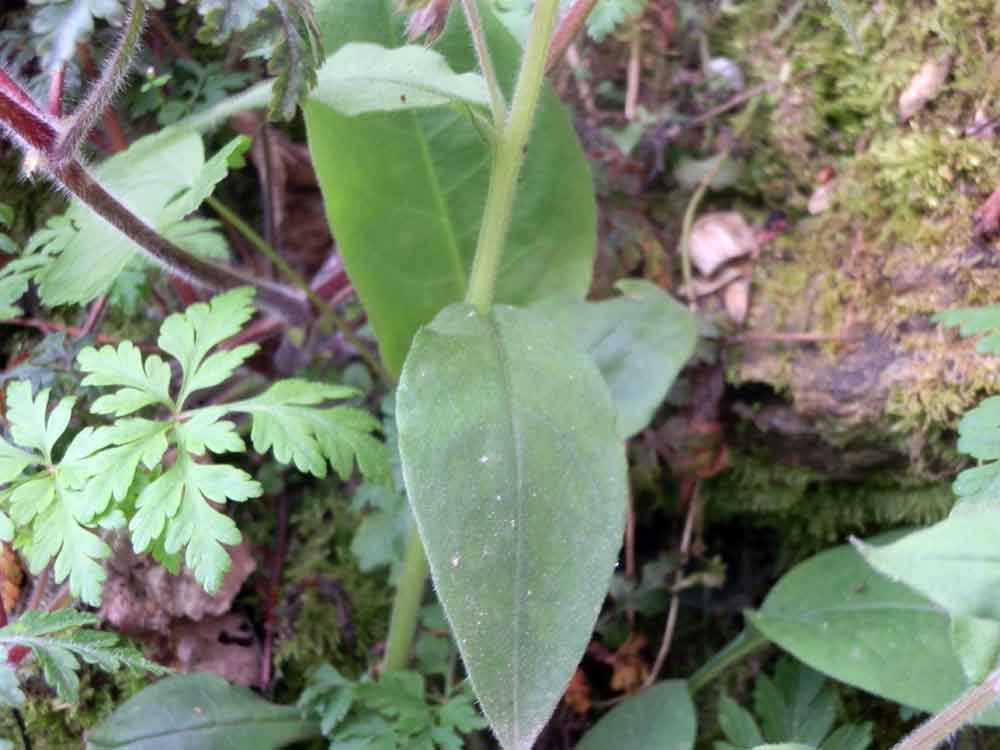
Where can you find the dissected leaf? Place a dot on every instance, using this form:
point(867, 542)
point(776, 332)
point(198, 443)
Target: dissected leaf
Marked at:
point(838, 615)
point(511, 456)
point(141, 383)
point(286, 420)
point(972, 321)
point(661, 716)
point(639, 342)
point(608, 15)
point(289, 39)
point(404, 191)
point(61, 25)
point(60, 639)
point(223, 18)
point(363, 77)
point(199, 712)
point(953, 563)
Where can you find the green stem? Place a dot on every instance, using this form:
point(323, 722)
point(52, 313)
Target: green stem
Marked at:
point(735, 651)
point(406, 605)
point(508, 157)
point(497, 103)
point(329, 313)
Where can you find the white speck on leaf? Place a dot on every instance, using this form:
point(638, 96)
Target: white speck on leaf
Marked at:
point(484, 459)
point(456, 560)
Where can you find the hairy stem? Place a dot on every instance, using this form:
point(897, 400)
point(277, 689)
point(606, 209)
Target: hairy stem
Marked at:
point(953, 717)
point(104, 89)
point(37, 134)
point(508, 157)
point(569, 28)
point(497, 103)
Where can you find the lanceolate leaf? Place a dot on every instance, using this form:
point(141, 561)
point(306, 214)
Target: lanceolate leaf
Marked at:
point(639, 342)
point(404, 191)
point(362, 78)
point(660, 717)
point(840, 616)
point(199, 712)
point(516, 475)
point(954, 563)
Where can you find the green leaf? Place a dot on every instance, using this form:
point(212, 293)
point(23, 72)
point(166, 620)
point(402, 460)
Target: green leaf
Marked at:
point(131, 442)
point(796, 706)
point(381, 536)
point(286, 421)
point(11, 695)
point(973, 321)
point(510, 455)
point(608, 15)
point(199, 712)
point(849, 737)
point(364, 77)
point(979, 436)
point(60, 639)
point(223, 18)
point(953, 563)
point(175, 508)
point(839, 616)
point(639, 342)
point(661, 716)
point(190, 336)
point(142, 383)
point(977, 646)
point(329, 695)
point(147, 178)
point(404, 191)
point(738, 724)
point(31, 424)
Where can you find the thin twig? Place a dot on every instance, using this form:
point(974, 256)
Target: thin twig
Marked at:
point(788, 337)
point(694, 507)
point(567, 30)
point(329, 312)
point(497, 102)
point(634, 70)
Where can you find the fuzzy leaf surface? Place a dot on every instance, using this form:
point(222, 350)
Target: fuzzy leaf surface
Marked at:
point(364, 77)
point(977, 646)
point(404, 191)
point(639, 342)
point(954, 563)
point(661, 716)
point(513, 464)
point(199, 712)
point(841, 617)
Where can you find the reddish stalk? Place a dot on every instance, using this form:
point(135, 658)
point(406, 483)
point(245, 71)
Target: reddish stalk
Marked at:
point(274, 590)
point(567, 30)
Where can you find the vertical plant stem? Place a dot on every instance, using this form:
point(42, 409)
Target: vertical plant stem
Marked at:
point(508, 157)
point(497, 103)
point(102, 92)
point(954, 716)
point(406, 605)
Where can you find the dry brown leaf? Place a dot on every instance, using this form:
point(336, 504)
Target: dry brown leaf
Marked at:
point(12, 577)
point(577, 695)
point(719, 237)
point(630, 670)
point(924, 86)
point(226, 646)
point(822, 197)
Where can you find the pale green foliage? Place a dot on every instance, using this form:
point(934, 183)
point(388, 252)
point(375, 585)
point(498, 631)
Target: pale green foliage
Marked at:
point(797, 705)
point(283, 32)
point(59, 506)
point(59, 641)
point(60, 24)
point(661, 716)
point(77, 255)
point(394, 713)
point(608, 15)
point(385, 523)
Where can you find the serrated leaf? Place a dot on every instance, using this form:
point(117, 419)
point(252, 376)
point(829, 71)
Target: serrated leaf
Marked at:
point(132, 442)
point(362, 77)
point(972, 321)
point(31, 424)
point(189, 336)
point(953, 563)
point(147, 177)
point(293, 55)
point(176, 507)
point(639, 342)
point(199, 712)
point(286, 421)
point(60, 26)
point(838, 615)
point(404, 191)
point(223, 18)
point(661, 716)
point(510, 455)
point(608, 15)
point(141, 383)
point(977, 646)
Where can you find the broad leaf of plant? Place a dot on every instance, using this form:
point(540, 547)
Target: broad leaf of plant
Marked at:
point(199, 712)
point(404, 191)
point(661, 716)
point(516, 475)
point(977, 646)
point(838, 615)
point(363, 78)
point(954, 563)
point(639, 342)
point(159, 182)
